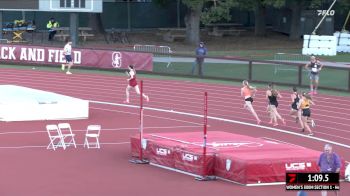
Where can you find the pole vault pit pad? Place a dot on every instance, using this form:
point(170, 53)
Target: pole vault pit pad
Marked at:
point(267, 164)
point(19, 103)
point(242, 159)
point(174, 151)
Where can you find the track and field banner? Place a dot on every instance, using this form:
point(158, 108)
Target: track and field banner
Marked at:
point(107, 59)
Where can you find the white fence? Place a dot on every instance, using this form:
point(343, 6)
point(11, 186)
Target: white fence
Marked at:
point(292, 58)
point(159, 51)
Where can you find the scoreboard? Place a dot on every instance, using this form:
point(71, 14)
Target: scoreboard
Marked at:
point(52, 5)
point(312, 181)
point(19, 4)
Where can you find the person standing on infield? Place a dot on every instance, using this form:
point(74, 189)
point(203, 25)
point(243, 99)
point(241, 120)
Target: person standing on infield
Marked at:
point(67, 51)
point(201, 52)
point(314, 67)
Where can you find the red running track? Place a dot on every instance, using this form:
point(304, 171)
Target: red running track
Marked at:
point(29, 169)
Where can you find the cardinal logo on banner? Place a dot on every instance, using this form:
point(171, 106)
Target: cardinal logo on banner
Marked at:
point(116, 59)
point(228, 164)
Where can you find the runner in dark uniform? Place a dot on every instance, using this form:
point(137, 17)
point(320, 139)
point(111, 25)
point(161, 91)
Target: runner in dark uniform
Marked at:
point(304, 105)
point(295, 112)
point(272, 95)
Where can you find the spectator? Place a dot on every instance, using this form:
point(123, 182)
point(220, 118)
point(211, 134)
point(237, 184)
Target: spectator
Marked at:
point(329, 162)
point(314, 67)
point(201, 52)
point(51, 25)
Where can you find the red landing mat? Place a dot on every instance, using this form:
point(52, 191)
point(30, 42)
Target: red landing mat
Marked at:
point(238, 158)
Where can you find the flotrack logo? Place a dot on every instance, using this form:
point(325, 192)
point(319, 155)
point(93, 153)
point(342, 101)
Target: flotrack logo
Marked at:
point(162, 151)
point(117, 59)
point(297, 166)
point(189, 157)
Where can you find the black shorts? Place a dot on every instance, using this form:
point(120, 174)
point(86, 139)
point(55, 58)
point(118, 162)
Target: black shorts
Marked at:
point(249, 99)
point(68, 58)
point(306, 112)
point(294, 106)
point(274, 103)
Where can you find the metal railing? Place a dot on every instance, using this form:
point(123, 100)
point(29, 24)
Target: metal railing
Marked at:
point(261, 71)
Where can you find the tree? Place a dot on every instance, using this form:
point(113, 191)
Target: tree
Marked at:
point(192, 20)
point(223, 8)
point(210, 11)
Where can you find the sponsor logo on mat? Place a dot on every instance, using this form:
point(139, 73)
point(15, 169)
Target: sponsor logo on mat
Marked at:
point(162, 151)
point(189, 157)
point(297, 166)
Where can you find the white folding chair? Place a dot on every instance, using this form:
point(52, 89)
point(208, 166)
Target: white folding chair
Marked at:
point(347, 173)
point(55, 136)
point(67, 134)
point(92, 133)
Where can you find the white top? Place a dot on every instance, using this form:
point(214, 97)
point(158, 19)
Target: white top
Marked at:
point(67, 50)
point(132, 74)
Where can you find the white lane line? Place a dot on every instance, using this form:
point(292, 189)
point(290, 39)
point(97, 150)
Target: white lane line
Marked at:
point(230, 121)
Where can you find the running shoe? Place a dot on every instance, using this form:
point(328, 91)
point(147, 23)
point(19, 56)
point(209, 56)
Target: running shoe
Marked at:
point(68, 72)
point(302, 130)
point(310, 134)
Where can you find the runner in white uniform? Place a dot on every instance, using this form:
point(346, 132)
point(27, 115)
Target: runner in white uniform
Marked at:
point(67, 51)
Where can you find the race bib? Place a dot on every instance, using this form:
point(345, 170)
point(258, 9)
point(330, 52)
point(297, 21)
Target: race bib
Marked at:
point(314, 69)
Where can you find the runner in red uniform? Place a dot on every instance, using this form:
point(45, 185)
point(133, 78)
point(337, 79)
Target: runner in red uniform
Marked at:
point(132, 84)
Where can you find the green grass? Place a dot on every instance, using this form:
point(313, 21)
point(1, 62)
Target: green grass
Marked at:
point(152, 76)
point(287, 74)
